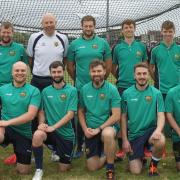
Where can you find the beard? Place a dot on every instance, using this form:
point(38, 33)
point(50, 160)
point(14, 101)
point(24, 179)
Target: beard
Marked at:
point(58, 80)
point(143, 83)
point(98, 81)
point(6, 40)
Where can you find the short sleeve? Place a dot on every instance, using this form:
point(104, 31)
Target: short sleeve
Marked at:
point(107, 51)
point(160, 102)
point(73, 100)
point(116, 99)
point(71, 53)
point(66, 46)
point(168, 103)
point(35, 98)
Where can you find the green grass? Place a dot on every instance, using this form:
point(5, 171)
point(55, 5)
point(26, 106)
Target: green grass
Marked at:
point(79, 172)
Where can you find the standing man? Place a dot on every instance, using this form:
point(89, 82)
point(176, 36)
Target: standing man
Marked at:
point(20, 102)
point(10, 52)
point(81, 53)
point(173, 116)
point(126, 54)
point(59, 102)
point(165, 62)
point(99, 115)
point(43, 48)
point(143, 111)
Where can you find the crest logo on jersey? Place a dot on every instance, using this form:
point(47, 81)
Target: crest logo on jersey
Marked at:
point(63, 97)
point(148, 98)
point(94, 46)
point(12, 53)
point(22, 94)
point(177, 56)
point(138, 53)
point(56, 44)
point(102, 96)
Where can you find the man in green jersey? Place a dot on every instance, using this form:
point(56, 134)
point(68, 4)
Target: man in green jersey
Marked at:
point(81, 53)
point(126, 54)
point(172, 104)
point(10, 52)
point(98, 113)
point(165, 62)
point(20, 102)
point(143, 116)
point(59, 102)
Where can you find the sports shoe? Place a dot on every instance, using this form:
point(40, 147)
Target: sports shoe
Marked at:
point(110, 175)
point(38, 174)
point(120, 155)
point(77, 154)
point(153, 170)
point(54, 157)
point(10, 160)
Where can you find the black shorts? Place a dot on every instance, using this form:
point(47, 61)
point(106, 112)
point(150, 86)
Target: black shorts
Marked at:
point(64, 147)
point(22, 145)
point(94, 146)
point(176, 149)
point(138, 145)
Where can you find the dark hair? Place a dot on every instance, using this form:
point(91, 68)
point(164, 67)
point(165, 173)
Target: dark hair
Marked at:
point(168, 25)
point(97, 62)
point(128, 22)
point(6, 25)
point(88, 18)
point(141, 64)
point(56, 64)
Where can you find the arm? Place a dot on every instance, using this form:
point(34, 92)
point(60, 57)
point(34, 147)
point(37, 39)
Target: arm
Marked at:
point(173, 123)
point(114, 70)
point(108, 63)
point(68, 117)
point(24, 118)
point(71, 69)
point(151, 70)
point(115, 117)
point(31, 63)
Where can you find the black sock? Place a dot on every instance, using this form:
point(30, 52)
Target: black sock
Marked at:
point(120, 143)
point(38, 155)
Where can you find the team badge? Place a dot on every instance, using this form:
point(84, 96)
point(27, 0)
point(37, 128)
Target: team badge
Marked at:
point(148, 98)
point(22, 94)
point(138, 53)
point(177, 56)
point(94, 46)
point(87, 151)
point(12, 53)
point(56, 44)
point(63, 97)
point(102, 96)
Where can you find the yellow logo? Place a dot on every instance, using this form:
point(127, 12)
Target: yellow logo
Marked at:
point(138, 53)
point(12, 53)
point(56, 44)
point(22, 94)
point(177, 56)
point(94, 46)
point(148, 98)
point(102, 96)
point(63, 97)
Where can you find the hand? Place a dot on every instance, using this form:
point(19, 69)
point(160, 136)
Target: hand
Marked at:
point(96, 131)
point(89, 132)
point(126, 146)
point(42, 127)
point(50, 129)
point(4, 123)
point(156, 135)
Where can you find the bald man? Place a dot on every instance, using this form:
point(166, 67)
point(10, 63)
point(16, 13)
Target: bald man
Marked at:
point(20, 102)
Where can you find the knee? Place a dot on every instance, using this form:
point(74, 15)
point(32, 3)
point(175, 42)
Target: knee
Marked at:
point(91, 168)
point(108, 134)
point(1, 137)
point(38, 138)
point(64, 168)
point(135, 171)
point(23, 171)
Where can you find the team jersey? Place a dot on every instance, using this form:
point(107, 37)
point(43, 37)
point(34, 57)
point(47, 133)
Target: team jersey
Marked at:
point(46, 49)
point(82, 52)
point(15, 102)
point(167, 63)
point(56, 103)
point(172, 105)
point(8, 56)
point(98, 103)
point(125, 56)
point(141, 108)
